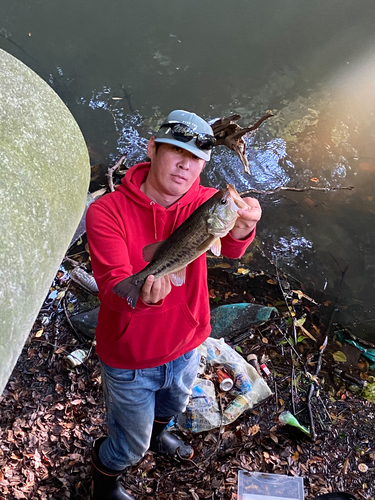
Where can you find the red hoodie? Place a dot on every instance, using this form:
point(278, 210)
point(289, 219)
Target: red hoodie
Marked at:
point(119, 225)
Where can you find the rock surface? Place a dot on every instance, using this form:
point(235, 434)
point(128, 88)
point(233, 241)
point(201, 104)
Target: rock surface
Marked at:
point(45, 172)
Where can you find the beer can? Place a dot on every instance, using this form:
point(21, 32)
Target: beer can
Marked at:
point(224, 380)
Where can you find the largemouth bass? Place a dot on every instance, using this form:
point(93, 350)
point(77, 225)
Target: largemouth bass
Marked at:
point(200, 232)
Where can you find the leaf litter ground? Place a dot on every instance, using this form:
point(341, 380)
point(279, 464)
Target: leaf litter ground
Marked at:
point(50, 414)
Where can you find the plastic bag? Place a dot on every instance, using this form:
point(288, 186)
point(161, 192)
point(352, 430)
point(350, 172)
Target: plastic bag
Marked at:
point(202, 412)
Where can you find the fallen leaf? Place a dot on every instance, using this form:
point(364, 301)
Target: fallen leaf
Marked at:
point(274, 438)
point(295, 456)
point(242, 270)
point(59, 389)
point(39, 333)
point(254, 430)
point(271, 282)
point(314, 179)
point(339, 356)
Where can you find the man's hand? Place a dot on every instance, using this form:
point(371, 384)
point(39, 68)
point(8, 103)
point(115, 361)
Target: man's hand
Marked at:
point(247, 219)
point(154, 290)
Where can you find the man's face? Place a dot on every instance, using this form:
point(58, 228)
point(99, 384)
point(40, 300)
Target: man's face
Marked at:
point(173, 169)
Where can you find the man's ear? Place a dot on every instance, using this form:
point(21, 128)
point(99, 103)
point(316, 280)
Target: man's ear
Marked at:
point(151, 148)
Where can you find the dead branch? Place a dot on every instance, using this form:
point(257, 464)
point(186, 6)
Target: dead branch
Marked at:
point(111, 171)
point(230, 134)
point(290, 188)
point(312, 388)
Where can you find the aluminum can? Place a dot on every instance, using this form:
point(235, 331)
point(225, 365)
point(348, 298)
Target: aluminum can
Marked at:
point(76, 358)
point(243, 383)
point(224, 380)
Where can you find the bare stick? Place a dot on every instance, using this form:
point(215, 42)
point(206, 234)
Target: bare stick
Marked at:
point(290, 188)
point(111, 171)
point(312, 388)
point(292, 385)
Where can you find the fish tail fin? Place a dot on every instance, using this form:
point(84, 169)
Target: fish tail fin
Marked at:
point(129, 289)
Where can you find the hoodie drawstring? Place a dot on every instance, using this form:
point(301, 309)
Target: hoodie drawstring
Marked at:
point(175, 217)
point(177, 211)
point(154, 219)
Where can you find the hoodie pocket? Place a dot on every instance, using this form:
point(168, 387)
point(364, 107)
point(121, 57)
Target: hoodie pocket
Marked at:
point(156, 334)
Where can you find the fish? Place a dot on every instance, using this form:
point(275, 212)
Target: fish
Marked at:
point(200, 232)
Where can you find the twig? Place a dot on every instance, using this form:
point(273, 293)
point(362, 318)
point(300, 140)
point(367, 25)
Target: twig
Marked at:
point(276, 398)
point(284, 294)
point(292, 385)
point(312, 388)
point(290, 188)
point(78, 335)
point(72, 262)
point(220, 431)
point(111, 170)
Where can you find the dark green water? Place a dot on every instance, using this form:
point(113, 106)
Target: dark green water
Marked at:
point(122, 65)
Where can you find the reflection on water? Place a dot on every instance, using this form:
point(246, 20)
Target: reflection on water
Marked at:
point(287, 250)
point(121, 67)
point(266, 164)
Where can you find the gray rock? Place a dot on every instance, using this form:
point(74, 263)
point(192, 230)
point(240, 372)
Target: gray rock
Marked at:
point(45, 173)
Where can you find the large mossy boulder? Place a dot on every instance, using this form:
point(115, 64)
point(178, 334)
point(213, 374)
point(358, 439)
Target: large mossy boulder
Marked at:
point(44, 177)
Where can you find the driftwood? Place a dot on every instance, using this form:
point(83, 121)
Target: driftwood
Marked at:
point(228, 133)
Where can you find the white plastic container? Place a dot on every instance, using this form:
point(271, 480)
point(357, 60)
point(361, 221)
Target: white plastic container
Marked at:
point(261, 486)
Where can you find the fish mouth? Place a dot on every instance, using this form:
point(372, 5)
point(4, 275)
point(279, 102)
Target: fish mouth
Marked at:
point(236, 198)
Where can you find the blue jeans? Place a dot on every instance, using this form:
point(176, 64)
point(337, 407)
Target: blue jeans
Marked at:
point(134, 397)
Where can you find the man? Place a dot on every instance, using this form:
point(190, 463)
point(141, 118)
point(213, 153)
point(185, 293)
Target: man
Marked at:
point(148, 354)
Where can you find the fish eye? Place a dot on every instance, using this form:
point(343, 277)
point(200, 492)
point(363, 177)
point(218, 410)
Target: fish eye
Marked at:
point(223, 201)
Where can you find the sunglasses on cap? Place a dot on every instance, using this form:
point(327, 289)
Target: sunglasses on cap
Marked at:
point(183, 133)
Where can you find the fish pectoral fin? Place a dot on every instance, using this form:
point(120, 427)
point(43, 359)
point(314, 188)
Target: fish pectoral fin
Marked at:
point(178, 277)
point(206, 245)
point(216, 247)
point(149, 251)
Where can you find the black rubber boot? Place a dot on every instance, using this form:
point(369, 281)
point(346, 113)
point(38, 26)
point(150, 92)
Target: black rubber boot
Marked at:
point(106, 482)
point(166, 443)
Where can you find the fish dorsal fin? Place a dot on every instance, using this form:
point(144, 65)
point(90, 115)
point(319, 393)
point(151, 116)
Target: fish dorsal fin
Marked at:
point(178, 277)
point(216, 247)
point(149, 251)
